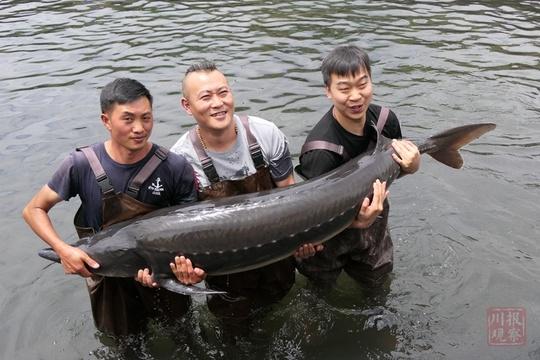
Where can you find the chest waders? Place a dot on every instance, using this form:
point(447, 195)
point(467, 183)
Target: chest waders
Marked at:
point(365, 254)
point(253, 289)
point(122, 306)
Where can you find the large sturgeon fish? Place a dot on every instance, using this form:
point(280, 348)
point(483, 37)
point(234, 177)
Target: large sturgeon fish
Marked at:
point(239, 233)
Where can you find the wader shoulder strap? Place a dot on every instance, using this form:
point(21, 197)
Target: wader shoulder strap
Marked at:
point(254, 147)
point(148, 169)
point(206, 162)
point(325, 145)
point(101, 177)
point(381, 121)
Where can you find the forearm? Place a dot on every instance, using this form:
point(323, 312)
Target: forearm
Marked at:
point(41, 224)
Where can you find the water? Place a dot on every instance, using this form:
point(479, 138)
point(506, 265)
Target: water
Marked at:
point(465, 240)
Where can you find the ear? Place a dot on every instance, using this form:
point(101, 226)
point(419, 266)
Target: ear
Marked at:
point(185, 104)
point(327, 91)
point(106, 120)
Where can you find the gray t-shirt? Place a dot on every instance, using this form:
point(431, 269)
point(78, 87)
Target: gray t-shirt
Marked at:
point(236, 163)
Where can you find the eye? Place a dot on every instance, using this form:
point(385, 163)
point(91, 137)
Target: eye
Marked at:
point(223, 93)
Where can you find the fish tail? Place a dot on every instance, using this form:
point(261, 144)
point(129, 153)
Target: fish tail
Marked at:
point(49, 254)
point(444, 147)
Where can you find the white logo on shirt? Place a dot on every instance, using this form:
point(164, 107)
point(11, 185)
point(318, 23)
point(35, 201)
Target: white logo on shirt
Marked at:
point(156, 187)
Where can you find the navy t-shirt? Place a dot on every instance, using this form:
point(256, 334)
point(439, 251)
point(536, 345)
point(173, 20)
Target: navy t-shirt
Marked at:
point(172, 183)
point(317, 162)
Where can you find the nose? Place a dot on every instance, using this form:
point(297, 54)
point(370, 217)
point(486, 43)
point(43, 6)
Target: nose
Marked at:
point(356, 94)
point(217, 102)
point(137, 126)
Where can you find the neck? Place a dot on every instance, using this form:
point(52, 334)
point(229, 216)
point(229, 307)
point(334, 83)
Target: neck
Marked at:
point(125, 156)
point(354, 126)
point(218, 140)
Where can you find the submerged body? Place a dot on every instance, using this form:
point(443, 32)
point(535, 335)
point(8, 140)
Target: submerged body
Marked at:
point(239, 233)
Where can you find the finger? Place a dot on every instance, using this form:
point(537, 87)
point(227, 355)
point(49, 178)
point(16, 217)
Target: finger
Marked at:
point(377, 186)
point(319, 247)
point(139, 276)
point(90, 262)
point(363, 208)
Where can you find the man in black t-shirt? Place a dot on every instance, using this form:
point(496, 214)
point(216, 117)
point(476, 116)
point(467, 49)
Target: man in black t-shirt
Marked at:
point(365, 249)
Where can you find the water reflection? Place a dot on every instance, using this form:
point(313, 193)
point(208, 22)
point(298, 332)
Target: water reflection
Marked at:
point(464, 240)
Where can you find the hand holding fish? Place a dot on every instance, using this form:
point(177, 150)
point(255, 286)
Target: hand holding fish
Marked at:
point(181, 268)
point(407, 155)
point(371, 209)
point(306, 251)
point(185, 272)
point(75, 261)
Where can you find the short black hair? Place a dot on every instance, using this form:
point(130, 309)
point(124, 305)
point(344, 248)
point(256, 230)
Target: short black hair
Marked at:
point(345, 60)
point(122, 91)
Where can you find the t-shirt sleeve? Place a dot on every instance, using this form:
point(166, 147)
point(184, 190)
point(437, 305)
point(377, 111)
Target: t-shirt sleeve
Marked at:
point(275, 148)
point(318, 162)
point(64, 180)
point(185, 185)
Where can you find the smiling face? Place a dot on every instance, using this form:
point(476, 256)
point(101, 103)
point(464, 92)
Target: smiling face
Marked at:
point(208, 98)
point(130, 125)
point(351, 95)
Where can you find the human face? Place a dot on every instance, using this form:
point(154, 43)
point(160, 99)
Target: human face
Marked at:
point(208, 98)
point(130, 124)
point(351, 96)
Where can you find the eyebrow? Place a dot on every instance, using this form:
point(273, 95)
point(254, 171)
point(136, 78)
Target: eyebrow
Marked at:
point(347, 82)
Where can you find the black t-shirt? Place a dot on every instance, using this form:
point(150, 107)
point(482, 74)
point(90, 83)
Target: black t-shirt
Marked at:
point(318, 162)
point(172, 183)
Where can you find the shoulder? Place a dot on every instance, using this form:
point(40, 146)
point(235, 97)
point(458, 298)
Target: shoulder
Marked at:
point(184, 147)
point(270, 138)
point(392, 128)
point(324, 129)
point(182, 144)
point(262, 128)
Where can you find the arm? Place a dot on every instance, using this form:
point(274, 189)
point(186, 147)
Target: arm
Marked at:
point(36, 216)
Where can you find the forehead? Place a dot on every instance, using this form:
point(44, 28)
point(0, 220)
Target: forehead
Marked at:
point(359, 74)
point(200, 81)
point(140, 105)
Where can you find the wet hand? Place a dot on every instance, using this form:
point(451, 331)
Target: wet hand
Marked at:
point(145, 278)
point(74, 261)
point(371, 209)
point(406, 155)
point(185, 272)
point(307, 250)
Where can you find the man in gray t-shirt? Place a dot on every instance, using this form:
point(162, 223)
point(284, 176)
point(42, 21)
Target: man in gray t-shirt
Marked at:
point(233, 155)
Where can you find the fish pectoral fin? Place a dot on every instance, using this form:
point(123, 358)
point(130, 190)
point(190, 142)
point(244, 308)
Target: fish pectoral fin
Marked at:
point(179, 288)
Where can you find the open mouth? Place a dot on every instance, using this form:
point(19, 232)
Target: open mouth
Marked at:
point(219, 114)
point(357, 108)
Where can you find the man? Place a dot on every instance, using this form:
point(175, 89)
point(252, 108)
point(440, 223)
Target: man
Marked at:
point(233, 155)
point(118, 179)
point(348, 129)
